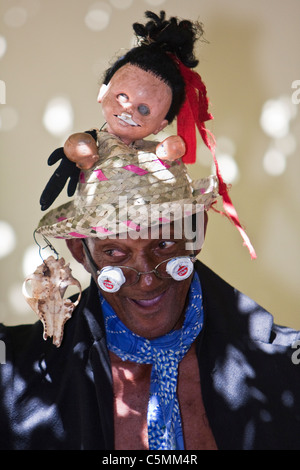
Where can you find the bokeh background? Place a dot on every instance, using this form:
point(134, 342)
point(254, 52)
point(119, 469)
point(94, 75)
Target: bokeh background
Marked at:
point(52, 56)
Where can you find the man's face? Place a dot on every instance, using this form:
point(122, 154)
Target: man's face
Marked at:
point(153, 306)
point(135, 103)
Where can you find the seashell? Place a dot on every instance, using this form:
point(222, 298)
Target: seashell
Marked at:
point(48, 286)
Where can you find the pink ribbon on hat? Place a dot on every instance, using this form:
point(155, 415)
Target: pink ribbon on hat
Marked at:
point(194, 112)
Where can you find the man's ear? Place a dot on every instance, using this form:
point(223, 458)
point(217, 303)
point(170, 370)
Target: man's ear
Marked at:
point(102, 92)
point(76, 248)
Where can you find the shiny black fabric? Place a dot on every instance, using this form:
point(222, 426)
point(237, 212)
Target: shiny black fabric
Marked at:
point(62, 398)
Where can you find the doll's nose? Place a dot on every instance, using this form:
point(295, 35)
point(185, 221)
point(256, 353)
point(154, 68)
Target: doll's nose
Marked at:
point(128, 107)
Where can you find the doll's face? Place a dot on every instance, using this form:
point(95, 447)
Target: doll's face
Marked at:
point(135, 103)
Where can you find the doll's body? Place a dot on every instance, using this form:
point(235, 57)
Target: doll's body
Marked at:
point(135, 104)
point(81, 148)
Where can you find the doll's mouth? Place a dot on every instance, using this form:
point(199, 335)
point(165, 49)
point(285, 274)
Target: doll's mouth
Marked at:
point(124, 117)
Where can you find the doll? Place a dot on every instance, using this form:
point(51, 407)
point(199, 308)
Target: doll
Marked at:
point(155, 77)
point(158, 71)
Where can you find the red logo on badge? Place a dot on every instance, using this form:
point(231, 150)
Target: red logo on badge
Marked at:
point(182, 270)
point(108, 284)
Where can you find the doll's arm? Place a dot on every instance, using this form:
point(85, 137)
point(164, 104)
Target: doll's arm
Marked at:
point(66, 170)
point(171, 148)
point(81, 148)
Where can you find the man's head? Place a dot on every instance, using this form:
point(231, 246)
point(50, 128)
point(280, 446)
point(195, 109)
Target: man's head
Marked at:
point(153, 305)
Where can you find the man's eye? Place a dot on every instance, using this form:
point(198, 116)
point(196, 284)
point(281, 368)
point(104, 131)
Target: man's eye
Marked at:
point(143, 110)
point(122, 98)
point(114, 253)
point(166, 244)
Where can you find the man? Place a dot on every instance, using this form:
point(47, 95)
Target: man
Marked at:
point(160, 353)
point(237, 386)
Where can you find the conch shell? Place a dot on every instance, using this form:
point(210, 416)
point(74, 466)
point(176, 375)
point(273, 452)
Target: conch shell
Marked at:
point(48, 285)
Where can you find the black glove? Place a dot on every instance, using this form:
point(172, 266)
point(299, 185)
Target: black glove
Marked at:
point(65, 170)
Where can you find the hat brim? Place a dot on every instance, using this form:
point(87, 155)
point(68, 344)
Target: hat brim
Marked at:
point(125, 215)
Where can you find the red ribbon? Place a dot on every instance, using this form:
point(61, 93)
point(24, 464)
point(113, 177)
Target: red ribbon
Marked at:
point(194, 112)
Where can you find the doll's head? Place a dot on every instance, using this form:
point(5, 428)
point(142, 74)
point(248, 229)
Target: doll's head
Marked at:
point(135, 103)
point(158, 40)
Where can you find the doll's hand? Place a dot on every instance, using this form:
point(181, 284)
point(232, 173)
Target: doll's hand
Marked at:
point(81, 148)
point(171, 148)
point(55, 185)
point(66, 170)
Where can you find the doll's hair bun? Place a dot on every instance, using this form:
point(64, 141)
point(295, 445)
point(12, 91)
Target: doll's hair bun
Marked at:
point(174, 36)
point(157, 40)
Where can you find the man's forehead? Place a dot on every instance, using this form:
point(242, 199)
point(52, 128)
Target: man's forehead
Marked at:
point(190, 230)
point(149, 233)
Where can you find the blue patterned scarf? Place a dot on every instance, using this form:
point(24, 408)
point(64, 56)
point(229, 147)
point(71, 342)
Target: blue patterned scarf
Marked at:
point(164, 353)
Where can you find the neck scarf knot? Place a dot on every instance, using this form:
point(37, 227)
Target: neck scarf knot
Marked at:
point(164, 353)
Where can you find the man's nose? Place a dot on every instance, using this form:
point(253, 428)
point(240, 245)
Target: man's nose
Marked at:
point(148, 278)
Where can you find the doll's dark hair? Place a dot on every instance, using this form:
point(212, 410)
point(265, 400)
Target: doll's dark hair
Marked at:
point(157, 39)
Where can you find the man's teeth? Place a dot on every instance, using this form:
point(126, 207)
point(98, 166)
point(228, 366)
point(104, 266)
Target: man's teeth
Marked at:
point(127, 118)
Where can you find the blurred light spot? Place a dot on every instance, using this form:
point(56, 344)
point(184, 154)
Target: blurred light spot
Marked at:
point(3, 46)
point(32, 6)
point(276, 115)
point(287, 398)
point(121, 4)
point(155, 2)
point(98, 16)
point(226, 145)
point(228, 168)
point(31, 260)
point(8, 118)
point(287, 145)
point(17, 300)
point(15, 17)
point(274, 162)
point(8, 239)
point(265, 416)
point(58, 116)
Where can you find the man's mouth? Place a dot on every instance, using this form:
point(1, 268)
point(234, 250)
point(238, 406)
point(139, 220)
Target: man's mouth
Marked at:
point(148, 303)
point(127, 119)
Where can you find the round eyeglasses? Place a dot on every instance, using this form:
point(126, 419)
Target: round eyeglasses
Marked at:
point(112, 278)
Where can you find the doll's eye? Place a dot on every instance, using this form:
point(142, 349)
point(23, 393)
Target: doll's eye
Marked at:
point(122, 98)
point(143, 110)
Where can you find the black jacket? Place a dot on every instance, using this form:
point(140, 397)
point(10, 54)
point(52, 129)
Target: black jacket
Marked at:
point(62, 398)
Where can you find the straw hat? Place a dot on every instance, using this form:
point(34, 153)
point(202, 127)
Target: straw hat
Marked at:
point(127, 190)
